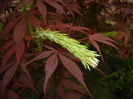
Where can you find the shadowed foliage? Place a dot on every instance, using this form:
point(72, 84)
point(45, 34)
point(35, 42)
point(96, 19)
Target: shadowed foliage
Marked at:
point(48, 65)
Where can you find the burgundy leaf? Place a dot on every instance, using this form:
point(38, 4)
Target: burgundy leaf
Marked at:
point(8, 76)
point(50, 66)
point(126, 38)
point(73, 8)
point(25, 70)
point(7, 56)
point(41, 56)
point(72, 86)
point(50, 48)
point(27, 81)
point(9, 26)
point(17, 84)
point(76, 11)
point(56, 15)
point(7, 45)
point(66, 74)
point(28, 38)
point(82, 30)
point(3, 68)
point(12, 95)
point(55, 5)
point(20, 51)
point(34, 21)
point(19, 32)
point(71, 56)
point(123, 35)
point(24, 67)
point(60, 1)
point(100, 38)
point(107, 43)
point(78, 29)
point(74, 70)
point(94, 43)
point(103, 39)
point(62, 26)
point(42, 9)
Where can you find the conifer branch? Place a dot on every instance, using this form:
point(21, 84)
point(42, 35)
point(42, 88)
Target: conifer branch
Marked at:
point(87, 57)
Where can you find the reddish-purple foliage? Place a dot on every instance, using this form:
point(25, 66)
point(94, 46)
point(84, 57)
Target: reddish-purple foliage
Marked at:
point(19, 57)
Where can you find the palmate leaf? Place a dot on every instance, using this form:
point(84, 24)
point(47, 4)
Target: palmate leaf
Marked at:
point(19, 32)
point(55, 5)
point(53, 56)
point(50, 67)
point(73, 89)
point(34, 21)
point(20, 51)
point(97, 37)
point(26, 81)
point(74, 70)
point(9, 74)
point(7, 56)
point(87, 57)
point(42, 9)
